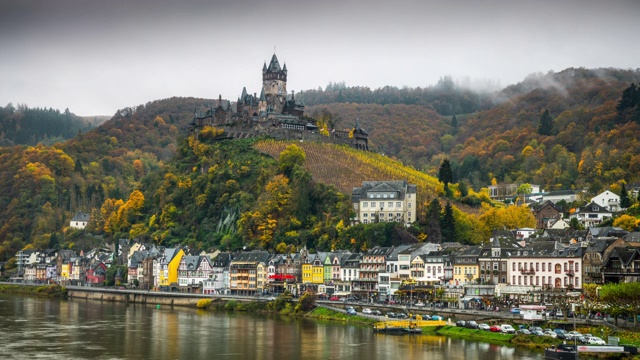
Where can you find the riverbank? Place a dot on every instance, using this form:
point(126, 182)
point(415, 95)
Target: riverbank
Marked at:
point(51, 291)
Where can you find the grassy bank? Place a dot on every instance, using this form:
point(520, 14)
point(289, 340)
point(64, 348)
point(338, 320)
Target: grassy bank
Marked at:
point(327, 314)
point(52, 291)
point(474, 334)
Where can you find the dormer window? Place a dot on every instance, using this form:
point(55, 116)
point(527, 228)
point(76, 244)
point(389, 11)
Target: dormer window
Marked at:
point(595, 208)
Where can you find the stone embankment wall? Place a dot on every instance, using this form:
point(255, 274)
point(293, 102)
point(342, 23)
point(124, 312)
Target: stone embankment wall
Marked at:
point(142, 297)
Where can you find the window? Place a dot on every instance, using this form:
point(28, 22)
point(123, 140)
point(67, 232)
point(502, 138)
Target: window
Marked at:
point(365, 215)
point(365, 221)
point(537, 266)
point(365, 204)
point(513, 268)
point(373, 204)
point(409, 205)
point(398, 204)
point(370, 196)
point(513, 281)
point(577, 267)
point(495, 266)
point(525, 280)
point(378, 196)
point(385, 195)
point(543, 267)
point(390, 204)
point(409, 214)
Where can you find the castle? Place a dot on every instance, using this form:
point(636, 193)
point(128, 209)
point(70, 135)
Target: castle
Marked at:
point(273, 113)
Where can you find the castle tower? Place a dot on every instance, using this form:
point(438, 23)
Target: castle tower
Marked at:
point(274, 85)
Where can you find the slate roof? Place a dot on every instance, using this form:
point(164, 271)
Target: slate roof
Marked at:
point(80, 216)
point(607, 231)
point(400, 187)
point(191, 262)
point(632, 236)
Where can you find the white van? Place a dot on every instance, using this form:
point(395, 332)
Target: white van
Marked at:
point(507, 329)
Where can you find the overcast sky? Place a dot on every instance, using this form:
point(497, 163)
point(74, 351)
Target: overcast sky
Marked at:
point(97, 56)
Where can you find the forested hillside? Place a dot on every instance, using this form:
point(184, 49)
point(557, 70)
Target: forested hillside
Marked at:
point(589, 142)
point(141, 175)
point(29, 126)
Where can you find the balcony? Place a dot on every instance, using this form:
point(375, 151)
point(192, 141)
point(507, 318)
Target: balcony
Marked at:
point(620, 271)
point(527, 271)
point(569, 273)
point(367, 279)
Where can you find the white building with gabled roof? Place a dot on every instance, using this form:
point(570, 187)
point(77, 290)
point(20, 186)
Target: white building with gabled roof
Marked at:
point(608, 200)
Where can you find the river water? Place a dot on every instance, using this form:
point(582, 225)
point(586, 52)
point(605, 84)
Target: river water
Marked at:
point(37, 328)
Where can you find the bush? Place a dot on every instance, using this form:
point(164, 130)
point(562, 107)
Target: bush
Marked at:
point(231, 305)
point(204, 303)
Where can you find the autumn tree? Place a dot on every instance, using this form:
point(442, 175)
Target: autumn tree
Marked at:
point(290, 157)
point(545, 124)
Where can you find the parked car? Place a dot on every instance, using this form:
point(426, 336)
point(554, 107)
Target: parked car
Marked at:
point(594, 340)
point(537, 332)
point(334, 298)
point(507, 329)
point(523, 332)
point(376, 312)
point(484, 326)
point(367, 311)
point(495, 328)
point(402, 316)
point(561, 333)
point(471, 324)
point(572, 335)
point(584, 338)
point(351, 311)
point(535, 328)
point(515, 311)
point(550, 333)
point(391, 314)
point(559, 313)
point(437, 317)
point(419, 304)
point(461, 323)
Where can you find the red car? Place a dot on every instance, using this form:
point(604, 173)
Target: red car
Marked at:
point(334, 298)
point(495, 328)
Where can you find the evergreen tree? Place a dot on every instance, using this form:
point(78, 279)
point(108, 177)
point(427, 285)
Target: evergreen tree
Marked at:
point(630, 98)
point(545, 124)
point(454, 125)
point(434, 212)
point(448, 224)
point(445, 175)
point(625, 201)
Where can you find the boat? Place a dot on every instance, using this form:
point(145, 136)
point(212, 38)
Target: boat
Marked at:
point(562, 352)
point(413, 330)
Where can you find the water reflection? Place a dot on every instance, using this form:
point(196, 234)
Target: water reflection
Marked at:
point(85, 329)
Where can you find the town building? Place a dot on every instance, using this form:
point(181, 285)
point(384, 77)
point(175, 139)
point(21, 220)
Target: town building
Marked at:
point(608, 200)
point(384, 201)
point(80, 220)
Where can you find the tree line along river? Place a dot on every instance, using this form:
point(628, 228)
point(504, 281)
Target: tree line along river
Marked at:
point(41, 328)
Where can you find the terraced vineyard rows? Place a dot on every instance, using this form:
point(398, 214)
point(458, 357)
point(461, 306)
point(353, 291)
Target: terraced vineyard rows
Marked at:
point(346, 168)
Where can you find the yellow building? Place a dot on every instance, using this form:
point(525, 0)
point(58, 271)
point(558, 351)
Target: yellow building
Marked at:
point(307, 273)
point(317, 270)
point(168, 273)
point(65, 271)
point(465, 266)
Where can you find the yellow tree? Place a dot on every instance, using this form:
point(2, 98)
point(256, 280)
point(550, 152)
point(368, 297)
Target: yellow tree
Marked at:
point(627, 222)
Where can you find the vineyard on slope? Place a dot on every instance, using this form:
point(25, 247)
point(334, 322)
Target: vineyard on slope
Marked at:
point(346, 168)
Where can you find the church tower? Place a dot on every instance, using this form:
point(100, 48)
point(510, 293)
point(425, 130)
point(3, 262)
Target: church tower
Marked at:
point(274, 85)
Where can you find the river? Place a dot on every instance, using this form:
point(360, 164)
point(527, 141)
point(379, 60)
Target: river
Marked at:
point(39, 328)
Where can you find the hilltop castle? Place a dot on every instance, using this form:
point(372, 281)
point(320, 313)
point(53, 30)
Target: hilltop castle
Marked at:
point(273, 113)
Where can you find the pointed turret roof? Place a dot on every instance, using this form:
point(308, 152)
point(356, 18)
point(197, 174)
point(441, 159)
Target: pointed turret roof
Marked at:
point(262, 96)
point(274, 65)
